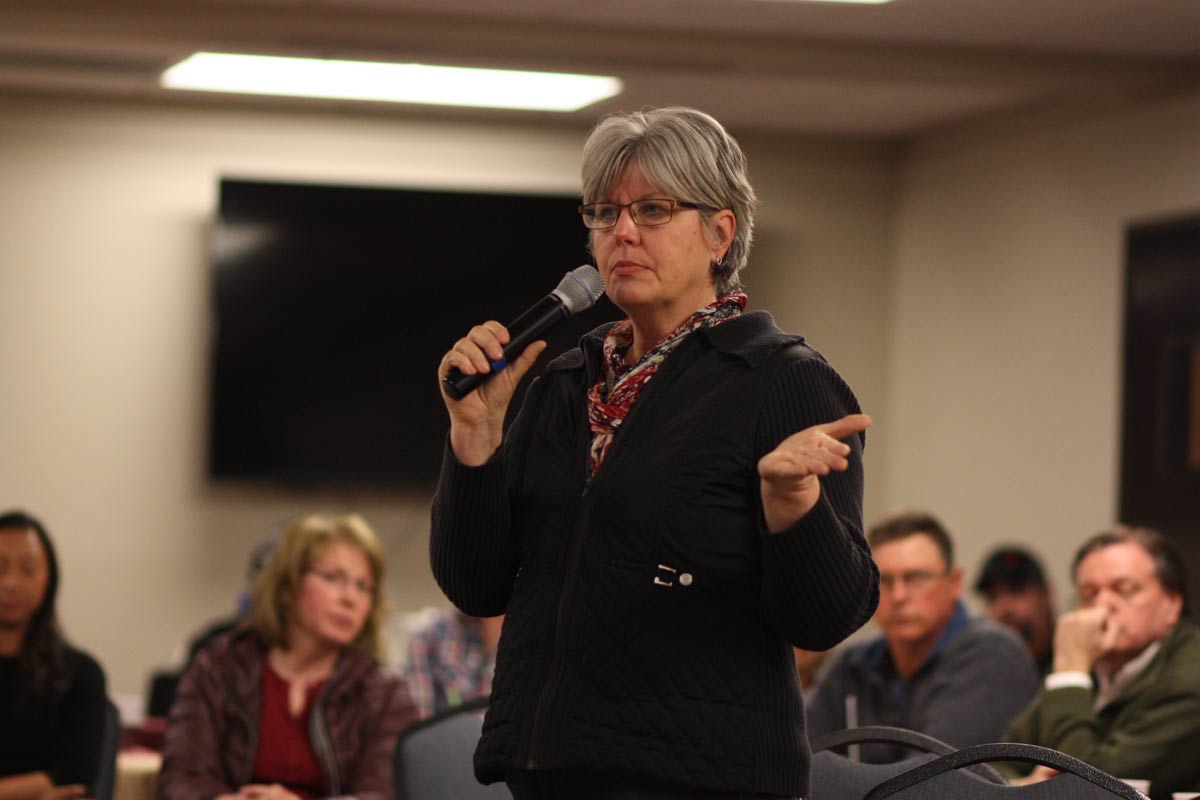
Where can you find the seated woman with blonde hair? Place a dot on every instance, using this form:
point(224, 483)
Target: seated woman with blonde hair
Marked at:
point(294, 704)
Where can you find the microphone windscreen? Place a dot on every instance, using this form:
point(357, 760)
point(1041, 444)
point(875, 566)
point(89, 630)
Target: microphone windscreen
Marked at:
point(580, 288)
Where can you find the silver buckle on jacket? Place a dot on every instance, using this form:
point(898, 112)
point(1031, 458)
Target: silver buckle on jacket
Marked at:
point(666, 576)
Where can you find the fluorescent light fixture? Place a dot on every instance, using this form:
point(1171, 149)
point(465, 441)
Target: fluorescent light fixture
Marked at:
point(389, 83)
point(847, 2)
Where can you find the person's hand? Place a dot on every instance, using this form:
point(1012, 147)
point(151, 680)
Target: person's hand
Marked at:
point(266, 791)
point(1082, 636)
point(789, 475)
point(477, 420)
point(1040, 773)
point(70, 791)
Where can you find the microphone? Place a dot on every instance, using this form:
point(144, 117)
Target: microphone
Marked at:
point(579, 289)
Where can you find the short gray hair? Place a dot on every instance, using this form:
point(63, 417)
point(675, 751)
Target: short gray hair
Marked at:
point(685, 153)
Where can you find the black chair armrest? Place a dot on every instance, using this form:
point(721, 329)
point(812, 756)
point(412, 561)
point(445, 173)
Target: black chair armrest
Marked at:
point(1004, 751)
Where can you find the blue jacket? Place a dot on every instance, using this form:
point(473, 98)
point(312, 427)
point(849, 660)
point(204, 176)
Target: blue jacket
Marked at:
point(975, 681)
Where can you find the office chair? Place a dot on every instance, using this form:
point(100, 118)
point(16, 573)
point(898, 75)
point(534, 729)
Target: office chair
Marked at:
point(836, 777)
point(433, 759)
point(106, 772)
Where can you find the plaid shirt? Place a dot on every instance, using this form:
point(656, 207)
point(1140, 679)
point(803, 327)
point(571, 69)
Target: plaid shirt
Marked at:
point(447, 662)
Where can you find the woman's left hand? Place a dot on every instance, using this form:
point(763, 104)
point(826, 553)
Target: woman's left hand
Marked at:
point(261, 791)
point(790, 474)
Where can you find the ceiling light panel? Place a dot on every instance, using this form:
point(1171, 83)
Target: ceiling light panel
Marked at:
point(389, 82)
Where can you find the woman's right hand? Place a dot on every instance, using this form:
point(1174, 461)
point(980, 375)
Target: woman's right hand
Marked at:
point(72, 791)
point(260, 791)
point(477, 420)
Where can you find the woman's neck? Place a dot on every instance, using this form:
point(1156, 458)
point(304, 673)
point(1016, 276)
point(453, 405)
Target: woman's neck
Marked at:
point(303, 661)
point(651, 326)
point(11, 639)
point(301, 665)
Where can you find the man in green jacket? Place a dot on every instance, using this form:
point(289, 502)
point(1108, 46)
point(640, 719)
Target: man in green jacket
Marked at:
point(1124, 691)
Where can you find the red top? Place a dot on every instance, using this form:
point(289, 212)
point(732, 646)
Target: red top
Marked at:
point(285, 755)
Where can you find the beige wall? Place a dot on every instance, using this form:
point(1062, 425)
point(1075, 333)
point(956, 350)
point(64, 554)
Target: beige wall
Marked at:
point(104, 213)
point(1007, 317)
point(969, 288)
point(821, 265)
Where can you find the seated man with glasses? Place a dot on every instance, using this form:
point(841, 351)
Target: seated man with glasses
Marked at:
point(934, 669)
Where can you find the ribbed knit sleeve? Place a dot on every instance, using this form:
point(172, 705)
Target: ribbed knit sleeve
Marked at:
point(819, 583)
point(472, 550)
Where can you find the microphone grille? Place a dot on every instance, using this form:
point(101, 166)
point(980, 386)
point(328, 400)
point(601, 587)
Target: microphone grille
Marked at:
point(580, 288)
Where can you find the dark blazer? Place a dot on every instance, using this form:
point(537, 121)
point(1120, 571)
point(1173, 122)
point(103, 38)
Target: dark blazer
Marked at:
point(650, 614)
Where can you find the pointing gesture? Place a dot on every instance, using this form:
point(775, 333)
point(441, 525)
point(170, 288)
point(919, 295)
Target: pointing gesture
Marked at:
point(790, 474)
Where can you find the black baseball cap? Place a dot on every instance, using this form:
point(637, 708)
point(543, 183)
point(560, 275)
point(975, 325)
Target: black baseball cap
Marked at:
point(1012, 567)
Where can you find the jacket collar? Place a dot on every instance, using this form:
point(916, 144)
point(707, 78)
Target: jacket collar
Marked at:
point(752, 337)
point(245, 656)
point(1178, 638)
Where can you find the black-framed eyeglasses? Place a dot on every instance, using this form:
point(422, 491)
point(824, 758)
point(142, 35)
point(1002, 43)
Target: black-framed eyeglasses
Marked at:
point(648, 213)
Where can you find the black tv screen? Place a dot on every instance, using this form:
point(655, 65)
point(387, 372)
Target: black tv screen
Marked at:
point(334, 304)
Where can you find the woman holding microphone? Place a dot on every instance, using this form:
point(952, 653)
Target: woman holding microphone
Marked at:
point(677, 504)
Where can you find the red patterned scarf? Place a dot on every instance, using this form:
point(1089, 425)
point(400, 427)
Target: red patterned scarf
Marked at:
point(610, 399)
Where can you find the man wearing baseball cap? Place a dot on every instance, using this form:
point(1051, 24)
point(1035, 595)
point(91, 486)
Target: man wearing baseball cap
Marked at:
point(1014, 588)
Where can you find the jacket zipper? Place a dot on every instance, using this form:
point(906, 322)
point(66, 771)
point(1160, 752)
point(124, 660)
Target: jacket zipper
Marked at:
point(248, 769)
point(560, 632)
point(319, 731)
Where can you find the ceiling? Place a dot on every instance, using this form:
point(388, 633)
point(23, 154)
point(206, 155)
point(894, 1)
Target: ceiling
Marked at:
point(885, 72)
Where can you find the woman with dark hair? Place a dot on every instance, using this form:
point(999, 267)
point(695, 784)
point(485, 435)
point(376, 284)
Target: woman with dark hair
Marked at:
point(678, 503)
point(52, 696)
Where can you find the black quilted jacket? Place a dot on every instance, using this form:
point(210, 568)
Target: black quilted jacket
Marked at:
point(650, 615)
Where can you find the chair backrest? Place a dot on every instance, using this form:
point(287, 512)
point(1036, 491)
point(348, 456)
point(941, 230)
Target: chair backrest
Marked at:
point(942, 778)
point(161, 694)
point(832, 776)
point(922, 743)
point(434, 758)
point(836, 770)
point(106, 772)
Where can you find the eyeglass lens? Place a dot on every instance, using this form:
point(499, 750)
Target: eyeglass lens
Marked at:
point(648, 212)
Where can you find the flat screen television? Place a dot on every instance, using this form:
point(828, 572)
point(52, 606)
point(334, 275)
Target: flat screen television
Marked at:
point(332, 306)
